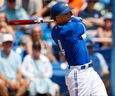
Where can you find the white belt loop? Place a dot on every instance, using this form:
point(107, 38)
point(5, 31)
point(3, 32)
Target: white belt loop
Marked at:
point(78, 67)
point(86, 66)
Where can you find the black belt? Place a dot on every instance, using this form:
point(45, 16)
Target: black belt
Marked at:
point(84, 66)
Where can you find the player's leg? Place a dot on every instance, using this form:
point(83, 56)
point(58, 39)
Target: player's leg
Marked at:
point(98, 88)
point(78, 83)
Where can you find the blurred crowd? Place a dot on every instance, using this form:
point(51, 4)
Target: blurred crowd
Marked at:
point(28, 55)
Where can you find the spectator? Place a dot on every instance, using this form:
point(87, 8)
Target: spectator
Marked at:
point(77, 5)
point(2, 84)
point(14, 12)
point(31, 6)
point(47, 4)
point(10, 66)
point(4, 28)
point(104, 35)
point(91, 16)
point(3, 24)
point(98, 60)
point(3, 20)
point(3, 17)
point(37, 68)
point(45, 9)
point(36, 35)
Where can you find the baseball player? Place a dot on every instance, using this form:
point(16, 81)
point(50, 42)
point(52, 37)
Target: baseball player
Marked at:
point(81, 79)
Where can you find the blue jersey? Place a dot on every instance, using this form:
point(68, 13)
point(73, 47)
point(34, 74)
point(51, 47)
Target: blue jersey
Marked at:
point(69, 39)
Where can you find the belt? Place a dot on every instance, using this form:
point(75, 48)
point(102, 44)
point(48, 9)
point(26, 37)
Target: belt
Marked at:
point(82, 67)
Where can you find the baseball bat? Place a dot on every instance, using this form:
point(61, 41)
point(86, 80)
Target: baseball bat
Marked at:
point(24, 22)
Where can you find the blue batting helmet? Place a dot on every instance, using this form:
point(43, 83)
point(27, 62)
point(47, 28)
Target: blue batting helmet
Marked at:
point(60, 8)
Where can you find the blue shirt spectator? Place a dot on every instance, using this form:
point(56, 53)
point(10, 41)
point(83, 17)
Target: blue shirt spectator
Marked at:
point(14, 12)
point(10, 66)
point(99, 63)
point(13, 61)
point(91, 15)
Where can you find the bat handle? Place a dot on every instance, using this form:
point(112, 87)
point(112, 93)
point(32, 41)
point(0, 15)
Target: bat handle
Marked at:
point(43, 21)
point(47, 21)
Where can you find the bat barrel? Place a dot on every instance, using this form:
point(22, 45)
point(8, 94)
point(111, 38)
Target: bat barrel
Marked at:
point(24, 22)
point(21, 22)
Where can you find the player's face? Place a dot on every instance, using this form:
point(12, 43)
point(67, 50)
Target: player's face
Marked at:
point(63, 18)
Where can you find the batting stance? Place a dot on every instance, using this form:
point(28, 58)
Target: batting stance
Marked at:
point(81, 79)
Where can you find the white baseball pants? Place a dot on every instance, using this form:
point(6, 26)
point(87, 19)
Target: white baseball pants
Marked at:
point(84, 83)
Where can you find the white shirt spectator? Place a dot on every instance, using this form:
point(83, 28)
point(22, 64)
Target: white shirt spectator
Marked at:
point(43, 68)
point(38, 72)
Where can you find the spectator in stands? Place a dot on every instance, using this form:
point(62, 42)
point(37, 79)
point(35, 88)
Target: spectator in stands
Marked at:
point(3, 88)
point(77, 5)
point(31, 6)
point(14, 12)
point(37, 68)
point(47, 4)
point(3, 24)
point(36, 35)
point(45, 10)
point(91, 16)
point(104, 35)
point(3, 20)
point(10, 69)
point(4, 28)
point(100, 65)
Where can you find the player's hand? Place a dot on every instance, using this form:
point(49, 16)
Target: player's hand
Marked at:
point(38, 19)
point(62, 53)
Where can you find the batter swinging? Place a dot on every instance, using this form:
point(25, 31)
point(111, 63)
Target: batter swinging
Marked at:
point(81, 79)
